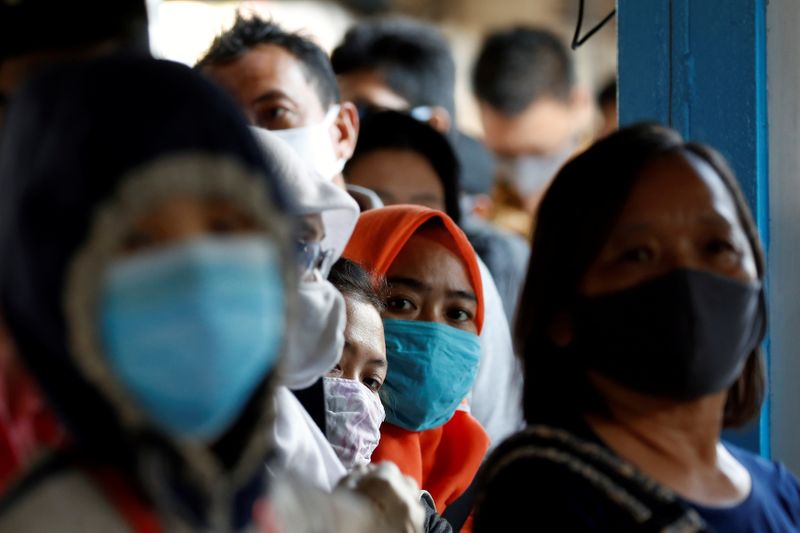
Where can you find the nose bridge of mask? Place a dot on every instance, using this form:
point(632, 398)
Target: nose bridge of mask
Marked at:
point(432, 368)
point(191, 330)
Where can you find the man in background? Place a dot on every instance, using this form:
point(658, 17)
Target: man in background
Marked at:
point(534, 115)
point(283, 82)
point(403, 65)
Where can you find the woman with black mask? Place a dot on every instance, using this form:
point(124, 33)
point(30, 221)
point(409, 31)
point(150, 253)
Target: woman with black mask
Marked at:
point(640, 325)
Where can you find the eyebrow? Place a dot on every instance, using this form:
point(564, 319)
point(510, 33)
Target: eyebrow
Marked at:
point(715, 219)
point(272, 94)
point(465, 295)
point(424, 287)
point(377, 362)
point(410, 282)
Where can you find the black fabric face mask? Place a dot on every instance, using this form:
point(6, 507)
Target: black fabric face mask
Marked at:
point(680, 336)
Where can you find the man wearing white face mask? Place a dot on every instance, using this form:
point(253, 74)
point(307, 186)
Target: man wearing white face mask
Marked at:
point(284, 82)
point(534, 116)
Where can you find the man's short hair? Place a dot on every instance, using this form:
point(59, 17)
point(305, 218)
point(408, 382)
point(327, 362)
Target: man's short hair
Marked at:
point(413, 59)
point(247, 33)
point(518, 66)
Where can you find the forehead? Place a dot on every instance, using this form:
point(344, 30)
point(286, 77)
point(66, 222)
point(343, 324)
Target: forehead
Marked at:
point(265, 68)
point(678, 185)
point(432, 263)
point(364, 327)
point(398, 168)
point(369, 87)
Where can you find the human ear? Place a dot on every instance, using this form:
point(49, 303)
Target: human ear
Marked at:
point(346, 134)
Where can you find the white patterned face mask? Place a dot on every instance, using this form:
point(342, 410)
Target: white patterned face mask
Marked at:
point(353, 418)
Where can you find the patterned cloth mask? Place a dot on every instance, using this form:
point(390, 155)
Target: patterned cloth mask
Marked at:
point(353, 418)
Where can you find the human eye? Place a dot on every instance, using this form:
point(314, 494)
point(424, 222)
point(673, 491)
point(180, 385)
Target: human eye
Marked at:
point(399, 303)
point(374, 384)
point(723, 251)
point(275, 117)
point(636, 255)
point(459, 314)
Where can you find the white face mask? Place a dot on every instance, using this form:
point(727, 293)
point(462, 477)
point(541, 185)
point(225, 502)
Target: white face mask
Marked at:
point(313, 144)
point(353, 418)
point(529, 174)
point(317, 339)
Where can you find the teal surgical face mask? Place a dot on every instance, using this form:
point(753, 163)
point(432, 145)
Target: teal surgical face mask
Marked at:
point(432, 368)
point(192, 330)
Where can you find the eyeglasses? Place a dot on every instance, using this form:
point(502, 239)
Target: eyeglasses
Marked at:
point(422, 113)
point(311, 257)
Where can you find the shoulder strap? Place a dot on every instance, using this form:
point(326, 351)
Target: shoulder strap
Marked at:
point(647, 502)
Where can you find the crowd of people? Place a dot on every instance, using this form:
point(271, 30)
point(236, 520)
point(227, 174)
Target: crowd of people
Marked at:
point(283, 291)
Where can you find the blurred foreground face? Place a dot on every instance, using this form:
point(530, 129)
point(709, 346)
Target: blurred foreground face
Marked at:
point(679, 215)
point(398, 177)
point(429, 283)
point(192, 314)
point(184, 218)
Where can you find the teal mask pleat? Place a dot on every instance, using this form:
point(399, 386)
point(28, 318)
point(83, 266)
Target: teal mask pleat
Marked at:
point(190, 331)
point(432, 368)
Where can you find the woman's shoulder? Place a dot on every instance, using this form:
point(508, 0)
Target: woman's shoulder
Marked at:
point(769, 476)
point(565, 479)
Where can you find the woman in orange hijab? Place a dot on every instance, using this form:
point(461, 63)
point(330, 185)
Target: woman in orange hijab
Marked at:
point(433, 318)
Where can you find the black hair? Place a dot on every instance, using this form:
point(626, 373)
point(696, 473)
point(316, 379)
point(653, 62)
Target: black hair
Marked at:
point(352, 280)
point(32, 26)
point(573, 222)
point(413, 59)
point(608, 94)
point(392, 130)
point(246, 33)
point(518, 66)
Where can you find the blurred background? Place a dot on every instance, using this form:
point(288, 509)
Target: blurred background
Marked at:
point(182, 30)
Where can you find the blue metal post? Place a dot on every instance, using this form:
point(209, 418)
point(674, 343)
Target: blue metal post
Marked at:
point(699, 66)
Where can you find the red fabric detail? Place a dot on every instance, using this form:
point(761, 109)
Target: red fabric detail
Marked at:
point(27, 426)
point(381, 234)
point(442, 460)
point(136, 513)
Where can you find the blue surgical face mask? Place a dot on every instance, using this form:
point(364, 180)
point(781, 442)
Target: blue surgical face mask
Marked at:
point(192, 330)
point(432, 368)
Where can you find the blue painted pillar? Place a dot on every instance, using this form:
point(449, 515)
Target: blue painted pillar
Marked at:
point(699, 66)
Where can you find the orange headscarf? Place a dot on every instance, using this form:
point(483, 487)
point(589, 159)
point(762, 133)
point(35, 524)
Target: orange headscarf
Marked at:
point(381, 234)
point(444, 459)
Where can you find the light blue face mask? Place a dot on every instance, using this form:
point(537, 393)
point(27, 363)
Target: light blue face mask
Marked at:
point(432, 368)
point(192, 330)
